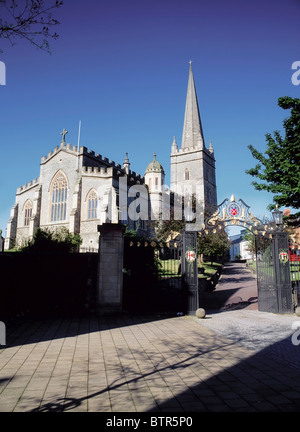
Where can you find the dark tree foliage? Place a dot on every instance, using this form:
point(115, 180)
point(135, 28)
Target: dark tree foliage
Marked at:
point(279, 167)
point(31, 20)
point(46, 241)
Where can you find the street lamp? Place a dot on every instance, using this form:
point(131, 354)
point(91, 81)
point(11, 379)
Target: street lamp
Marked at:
point(277, 217)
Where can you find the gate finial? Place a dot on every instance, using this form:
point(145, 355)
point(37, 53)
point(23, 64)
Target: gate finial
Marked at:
point(232, 199)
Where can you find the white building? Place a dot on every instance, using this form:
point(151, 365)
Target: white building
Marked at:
point(80, 189)
point(239, 247)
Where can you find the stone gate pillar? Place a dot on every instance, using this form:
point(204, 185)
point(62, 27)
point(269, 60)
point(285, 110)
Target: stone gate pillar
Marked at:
point(110, 275)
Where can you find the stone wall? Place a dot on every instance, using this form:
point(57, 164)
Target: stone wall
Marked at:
point(110, 282)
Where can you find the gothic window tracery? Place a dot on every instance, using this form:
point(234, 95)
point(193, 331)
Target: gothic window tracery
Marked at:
point(92, 205)
point(27, 212)
point(186, 174)
point(59, 194)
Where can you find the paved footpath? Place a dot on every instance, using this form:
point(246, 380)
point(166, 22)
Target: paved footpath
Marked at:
point(240, 284)
point(237, 285)
point(152, 364)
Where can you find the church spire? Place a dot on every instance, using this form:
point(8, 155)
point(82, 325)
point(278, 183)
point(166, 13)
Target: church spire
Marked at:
point(192, 135)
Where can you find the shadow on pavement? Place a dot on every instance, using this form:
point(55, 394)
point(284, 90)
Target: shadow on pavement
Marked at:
point(265, 382)
point(262, 382)
point(24, 331)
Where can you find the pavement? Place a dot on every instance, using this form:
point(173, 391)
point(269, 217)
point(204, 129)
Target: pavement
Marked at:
point(235, 359)
point(237, 286)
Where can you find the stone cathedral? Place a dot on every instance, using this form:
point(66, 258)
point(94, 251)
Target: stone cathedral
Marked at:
point(80, 189)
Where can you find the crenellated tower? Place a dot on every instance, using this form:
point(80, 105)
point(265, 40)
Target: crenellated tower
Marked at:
point(193, 165)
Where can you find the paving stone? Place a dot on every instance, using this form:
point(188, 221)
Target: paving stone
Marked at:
point(152, 364)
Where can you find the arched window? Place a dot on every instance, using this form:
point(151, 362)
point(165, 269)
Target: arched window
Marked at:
point(92, 205)
point(186, 174)
point(59, 193)
point(27, 212)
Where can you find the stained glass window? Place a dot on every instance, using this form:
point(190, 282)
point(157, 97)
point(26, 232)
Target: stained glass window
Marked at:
point(92, 205)
point(27, 212)
point(59, 193)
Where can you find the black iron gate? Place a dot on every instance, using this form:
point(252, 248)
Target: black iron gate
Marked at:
point(152, 277)
point(190, 269)
point(294, 255)
point(273, 273)
point(169, 265)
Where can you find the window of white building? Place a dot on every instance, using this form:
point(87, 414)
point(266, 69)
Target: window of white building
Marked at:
point(27, 212)
point(92, 205)
point(59, 193)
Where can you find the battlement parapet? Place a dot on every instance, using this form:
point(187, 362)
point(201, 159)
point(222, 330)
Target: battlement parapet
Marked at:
point(63, 146)
point(84, 151)
point(28, 185)
point(116, 171)
point(97, 171)
point(110, 168)
point(186, 150)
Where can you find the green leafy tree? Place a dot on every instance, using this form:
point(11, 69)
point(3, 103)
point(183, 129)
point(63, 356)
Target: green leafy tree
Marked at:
point(164, 228)
point(59, 241)
point(30, 20)
point(214, 245)
point(278, 170)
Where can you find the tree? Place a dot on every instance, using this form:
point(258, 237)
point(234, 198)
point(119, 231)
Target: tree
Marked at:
point(179, 205)
point(60, 241)
point(214, 245)
point(31, 20)
point(279, 167)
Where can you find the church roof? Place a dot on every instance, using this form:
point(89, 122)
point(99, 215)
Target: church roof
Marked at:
point(154, 166)
point(192, 135)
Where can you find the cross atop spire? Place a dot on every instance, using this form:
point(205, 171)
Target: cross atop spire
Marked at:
point(192, 135)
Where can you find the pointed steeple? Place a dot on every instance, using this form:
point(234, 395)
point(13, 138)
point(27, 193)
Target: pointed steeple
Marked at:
point(174, 147)
point(126, 164)
point(192, 135)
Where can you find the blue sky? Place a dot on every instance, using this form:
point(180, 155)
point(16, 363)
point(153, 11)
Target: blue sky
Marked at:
point(121, 67)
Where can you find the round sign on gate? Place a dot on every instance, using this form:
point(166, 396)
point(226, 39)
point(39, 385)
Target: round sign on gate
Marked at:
point(283, 256)
point(190, 255)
